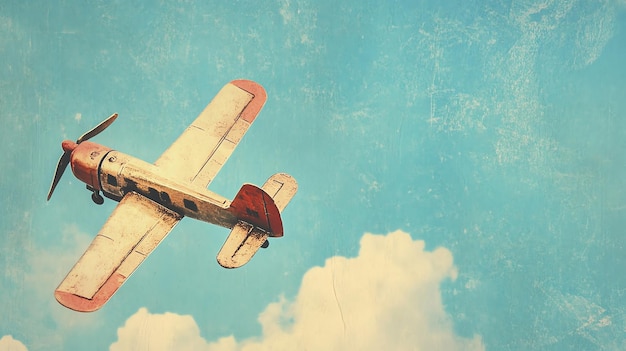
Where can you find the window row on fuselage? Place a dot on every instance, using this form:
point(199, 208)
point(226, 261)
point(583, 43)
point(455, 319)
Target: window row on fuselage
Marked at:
point(153, 194)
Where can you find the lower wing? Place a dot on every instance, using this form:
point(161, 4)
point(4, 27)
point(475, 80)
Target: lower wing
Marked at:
point(132, 232)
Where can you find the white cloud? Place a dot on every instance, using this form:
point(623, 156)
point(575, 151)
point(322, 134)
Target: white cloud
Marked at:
point(156, 332)
point(388, 297)
point(7, 343)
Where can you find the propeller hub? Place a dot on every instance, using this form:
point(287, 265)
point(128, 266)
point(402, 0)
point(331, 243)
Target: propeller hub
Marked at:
point(68, 145)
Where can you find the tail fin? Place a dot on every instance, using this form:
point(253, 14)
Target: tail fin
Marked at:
point(256, 207)
point(258, 211)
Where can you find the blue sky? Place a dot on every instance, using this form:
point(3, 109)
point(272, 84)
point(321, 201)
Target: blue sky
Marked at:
point(460, 168)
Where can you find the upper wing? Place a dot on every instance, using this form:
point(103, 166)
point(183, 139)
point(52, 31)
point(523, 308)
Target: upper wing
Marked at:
point(199, 153)
point(134, 229)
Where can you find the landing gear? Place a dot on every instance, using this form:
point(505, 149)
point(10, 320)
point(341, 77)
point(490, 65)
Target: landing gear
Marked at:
point(265, 244)
point(97, 198)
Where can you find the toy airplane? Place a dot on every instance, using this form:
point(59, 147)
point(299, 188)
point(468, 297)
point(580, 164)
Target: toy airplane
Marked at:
point(154, 197)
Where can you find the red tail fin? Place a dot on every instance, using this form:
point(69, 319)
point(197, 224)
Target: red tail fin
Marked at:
point(255, 206)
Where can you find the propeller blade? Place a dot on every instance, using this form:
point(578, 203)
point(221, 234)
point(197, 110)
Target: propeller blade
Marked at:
point(68, 146)
point(97, 129)
point(63, 162)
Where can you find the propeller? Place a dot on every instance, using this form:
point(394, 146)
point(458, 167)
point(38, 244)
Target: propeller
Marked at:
point(69, 146)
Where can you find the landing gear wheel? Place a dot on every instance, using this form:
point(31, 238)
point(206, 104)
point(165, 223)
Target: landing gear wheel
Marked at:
point(265, 244)
point(97, 199)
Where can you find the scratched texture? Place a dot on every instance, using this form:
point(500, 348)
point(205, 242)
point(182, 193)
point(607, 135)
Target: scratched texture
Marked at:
point(460, 167)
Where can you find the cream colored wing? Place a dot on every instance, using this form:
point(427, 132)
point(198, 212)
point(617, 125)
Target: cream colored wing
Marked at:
point(203, 148)
point(134, 229)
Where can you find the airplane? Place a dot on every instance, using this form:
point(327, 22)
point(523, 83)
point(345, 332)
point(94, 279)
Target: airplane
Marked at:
point(153, 198)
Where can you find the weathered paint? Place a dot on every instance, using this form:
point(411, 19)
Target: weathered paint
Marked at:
point(154, 197)
point(85, 161)
point(135, 228)
point(132, 174)
point(244, 239)
point(242, 243)
point(81, 304)
point(260, 96)
point(281, 187)
point(213, 135)
point(256, 207)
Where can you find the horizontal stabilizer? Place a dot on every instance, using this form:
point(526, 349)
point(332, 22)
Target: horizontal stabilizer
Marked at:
point(242, 243)
point(281, 187)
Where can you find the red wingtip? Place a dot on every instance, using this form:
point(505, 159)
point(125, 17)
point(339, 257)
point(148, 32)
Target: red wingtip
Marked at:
point(81, 304)
point(260, 96)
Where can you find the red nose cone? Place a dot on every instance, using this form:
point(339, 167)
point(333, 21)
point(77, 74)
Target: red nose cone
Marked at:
point(68, 145)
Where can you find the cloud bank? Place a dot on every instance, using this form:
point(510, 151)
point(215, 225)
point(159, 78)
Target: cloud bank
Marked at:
point(7, 343)
point(159, 332)
point(388, 297)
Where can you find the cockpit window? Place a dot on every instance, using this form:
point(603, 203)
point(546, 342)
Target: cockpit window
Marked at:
point(111, 180)
point(165, 197)
point(190, 205)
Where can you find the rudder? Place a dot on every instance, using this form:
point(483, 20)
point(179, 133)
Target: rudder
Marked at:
point(254, 206)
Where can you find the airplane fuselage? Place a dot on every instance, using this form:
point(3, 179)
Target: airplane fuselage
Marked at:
point(116, 174)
